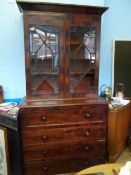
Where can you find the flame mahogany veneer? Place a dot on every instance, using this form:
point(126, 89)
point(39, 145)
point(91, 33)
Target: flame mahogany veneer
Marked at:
point(63, 123)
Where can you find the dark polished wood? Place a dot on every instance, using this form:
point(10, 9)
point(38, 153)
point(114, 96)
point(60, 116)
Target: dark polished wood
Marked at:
point(62, 50)
point(10, 122)
point(63, 131)
point(62, 8)
point(74, 132)
point(63, 122)
point(1, 94)
point(71, 164)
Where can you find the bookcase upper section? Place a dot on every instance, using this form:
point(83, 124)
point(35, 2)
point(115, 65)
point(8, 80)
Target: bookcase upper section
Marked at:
point(61, 49)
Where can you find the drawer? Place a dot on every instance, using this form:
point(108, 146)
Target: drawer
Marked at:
point(38, 135)
point(49, 151)
point(67, 165)
point(62, 115)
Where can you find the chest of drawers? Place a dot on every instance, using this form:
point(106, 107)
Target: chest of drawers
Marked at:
point(62, 139)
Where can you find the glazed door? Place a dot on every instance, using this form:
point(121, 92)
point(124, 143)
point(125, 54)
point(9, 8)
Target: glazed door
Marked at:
point(63, 56)
point(84, 55)
point(44, 59)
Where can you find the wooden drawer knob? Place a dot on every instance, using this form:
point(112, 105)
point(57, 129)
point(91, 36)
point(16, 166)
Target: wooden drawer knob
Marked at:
point(44, 118)
point(45, 168)
point(87, 133)
point(86, 148)
point(87, 115)
point(44, 152)
point(44, 137)
point(86, 163)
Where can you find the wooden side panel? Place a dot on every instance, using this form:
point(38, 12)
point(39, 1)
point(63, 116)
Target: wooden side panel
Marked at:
point(118, 127)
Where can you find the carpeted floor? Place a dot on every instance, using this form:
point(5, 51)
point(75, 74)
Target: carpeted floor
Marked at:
point(124, 157)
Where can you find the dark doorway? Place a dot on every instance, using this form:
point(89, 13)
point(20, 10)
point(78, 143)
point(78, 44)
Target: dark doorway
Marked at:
point(122, 65)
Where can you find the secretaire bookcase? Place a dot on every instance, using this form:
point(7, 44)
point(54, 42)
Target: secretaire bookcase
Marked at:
point(63, 122)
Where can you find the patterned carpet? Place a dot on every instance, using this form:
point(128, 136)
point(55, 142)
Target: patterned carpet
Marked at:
point(125, 156)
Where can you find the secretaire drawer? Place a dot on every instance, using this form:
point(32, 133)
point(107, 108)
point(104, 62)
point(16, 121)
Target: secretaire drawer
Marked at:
point(62, 115)
point(49, 151)
point(65, 165)
point(38, 135)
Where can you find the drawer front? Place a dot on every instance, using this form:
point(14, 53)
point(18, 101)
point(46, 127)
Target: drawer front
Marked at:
point(62, 115)
point(67, 165)
point(44, 151)
point(38, 135)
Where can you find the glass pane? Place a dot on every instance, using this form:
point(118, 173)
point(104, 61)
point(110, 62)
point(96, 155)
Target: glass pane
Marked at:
point(82, 59)
point(44, 54)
